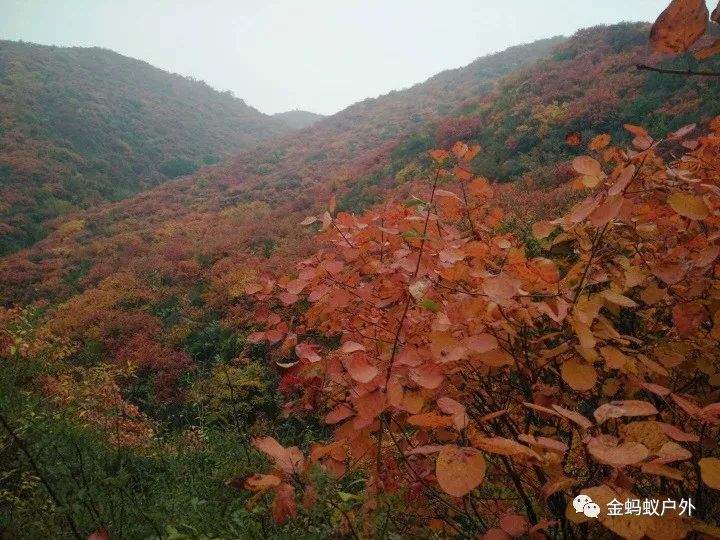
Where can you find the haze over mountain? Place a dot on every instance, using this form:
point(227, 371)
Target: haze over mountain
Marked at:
point(80, 126)
point(298, 119)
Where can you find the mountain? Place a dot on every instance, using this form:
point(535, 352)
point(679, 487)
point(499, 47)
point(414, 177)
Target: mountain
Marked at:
point(79, 126)
point(141, 304)
point(284, 176)
point(519, 104)
point(298, 119)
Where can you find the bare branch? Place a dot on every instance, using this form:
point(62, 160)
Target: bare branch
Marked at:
point(687, 73)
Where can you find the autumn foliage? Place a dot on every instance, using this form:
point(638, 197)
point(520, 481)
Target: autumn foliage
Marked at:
point(466, 366)
point(456, 358)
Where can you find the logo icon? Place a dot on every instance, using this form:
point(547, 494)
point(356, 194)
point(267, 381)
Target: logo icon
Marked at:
point(585, 505)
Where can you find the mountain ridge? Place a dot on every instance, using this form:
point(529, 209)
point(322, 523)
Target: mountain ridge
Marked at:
point(81, 125)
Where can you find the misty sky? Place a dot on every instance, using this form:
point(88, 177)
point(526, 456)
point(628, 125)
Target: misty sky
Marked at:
point(317, 55)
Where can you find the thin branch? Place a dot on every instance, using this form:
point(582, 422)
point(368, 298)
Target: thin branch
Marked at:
point(687, 72)
point(36, 469)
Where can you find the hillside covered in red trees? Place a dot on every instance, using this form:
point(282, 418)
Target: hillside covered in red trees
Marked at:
point(485, 294)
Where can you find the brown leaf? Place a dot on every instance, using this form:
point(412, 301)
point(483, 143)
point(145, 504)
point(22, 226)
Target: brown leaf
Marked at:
point(283, 506)
point(671, 452)
point(679, 26)
point(459, 470)
point(554, 485)
point(689, 317)
point(689, 206)
point(514, 524)
point(429, 420)
point(614, 358)
point(579, 376)
point(573, 139)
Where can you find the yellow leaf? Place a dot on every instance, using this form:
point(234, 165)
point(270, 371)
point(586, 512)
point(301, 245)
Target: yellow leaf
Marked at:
point(618, 299)
point(710, 472)
point(587, 166)
point(689, 206)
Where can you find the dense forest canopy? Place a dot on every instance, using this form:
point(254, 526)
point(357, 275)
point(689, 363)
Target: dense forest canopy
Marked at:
point(446, 312)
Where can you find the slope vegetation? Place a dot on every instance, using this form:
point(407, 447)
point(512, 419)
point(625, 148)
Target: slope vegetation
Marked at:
point(81, 126)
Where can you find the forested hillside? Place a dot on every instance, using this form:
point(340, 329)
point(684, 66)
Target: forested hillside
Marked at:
point(443, 312)
point(82, 126)
point(282, 178)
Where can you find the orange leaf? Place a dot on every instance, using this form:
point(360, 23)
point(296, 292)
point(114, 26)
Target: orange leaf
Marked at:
point(438, 155)
point(480, 343)
point(707, 52)
point(289, 460)
point(338, 414)
point(546, 269)
point(306, 351)
point(428, 375)
point(359, 368)
point(500, 289)
point(599, 142)
point(459, 470)
point(628, 407)
point(543, 229)
point(587, 166)
point(455, 409)
point(261, 482)
point(578, 418)
point(579, 376)
point(679, 26)
point(573, 139)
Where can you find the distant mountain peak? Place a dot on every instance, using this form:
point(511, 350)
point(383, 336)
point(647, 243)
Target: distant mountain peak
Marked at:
point(297, 119)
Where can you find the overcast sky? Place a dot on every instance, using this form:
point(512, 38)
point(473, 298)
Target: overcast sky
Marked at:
point(317, 55)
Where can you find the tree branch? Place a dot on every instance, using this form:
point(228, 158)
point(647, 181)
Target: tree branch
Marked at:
point(688, 72)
